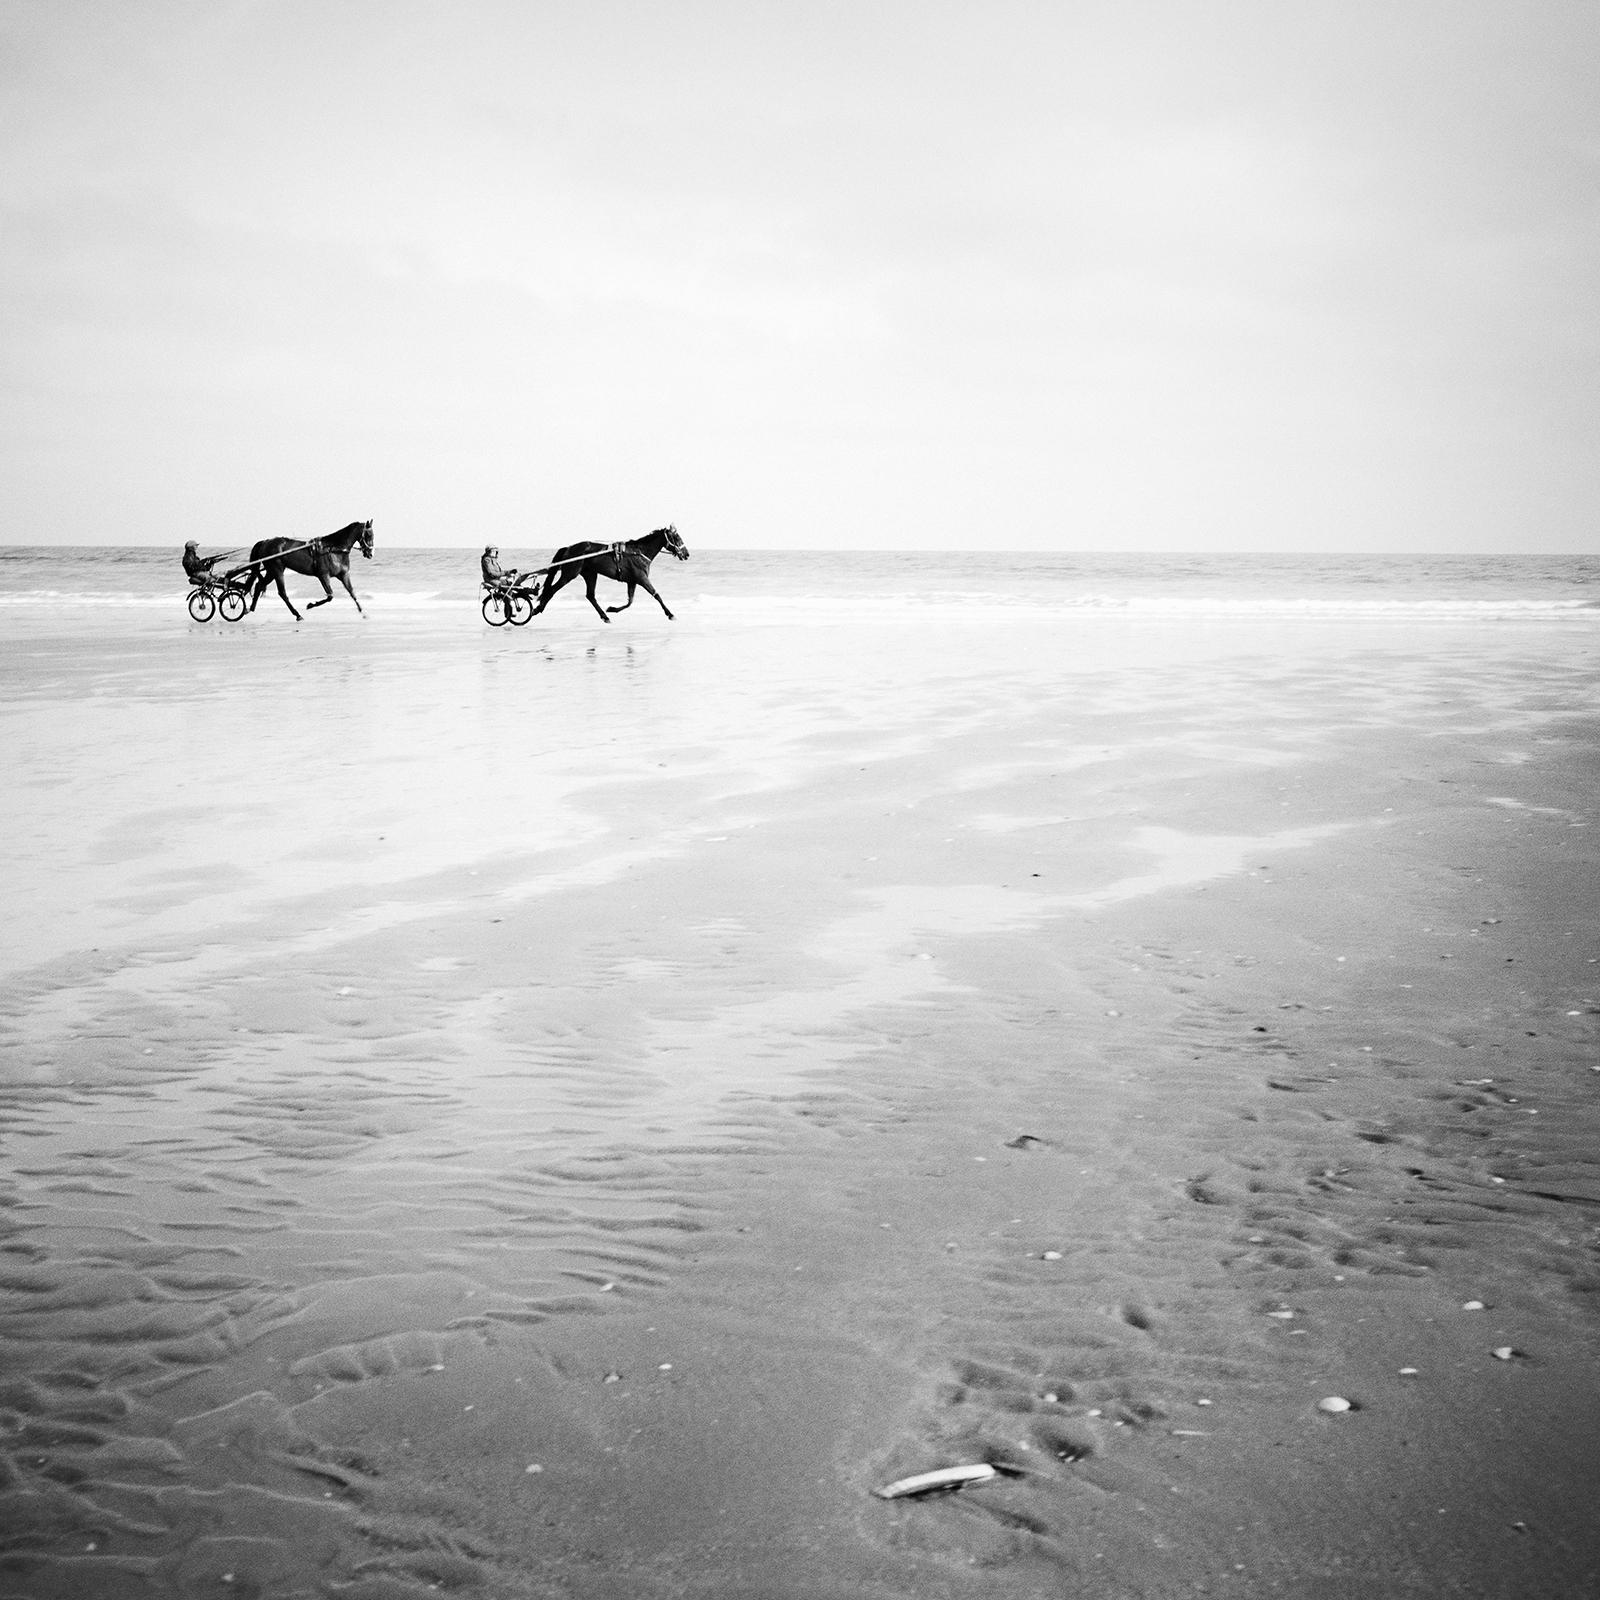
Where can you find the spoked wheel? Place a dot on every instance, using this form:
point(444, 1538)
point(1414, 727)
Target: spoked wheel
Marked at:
point(234, 604)
point(521, 609)
point(201, 606)
point(495, 610)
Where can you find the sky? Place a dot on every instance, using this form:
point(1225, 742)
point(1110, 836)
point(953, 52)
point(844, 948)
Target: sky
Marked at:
point(1219, 275)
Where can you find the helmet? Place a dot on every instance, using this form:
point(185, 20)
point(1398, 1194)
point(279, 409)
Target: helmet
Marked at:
point(193, 544)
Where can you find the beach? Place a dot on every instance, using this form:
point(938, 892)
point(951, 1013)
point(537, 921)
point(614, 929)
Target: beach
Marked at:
point(575, 1110)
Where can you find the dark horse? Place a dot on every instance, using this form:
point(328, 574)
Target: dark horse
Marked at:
point(627, 563)
point(324, 558)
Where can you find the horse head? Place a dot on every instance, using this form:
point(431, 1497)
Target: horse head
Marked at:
point(672, 542)
point(364, 537)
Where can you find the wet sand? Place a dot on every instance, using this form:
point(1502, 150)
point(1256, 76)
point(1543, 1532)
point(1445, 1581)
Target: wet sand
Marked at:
point(573, 1113)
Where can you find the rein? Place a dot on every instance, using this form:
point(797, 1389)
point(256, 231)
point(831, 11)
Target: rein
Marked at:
point(623, 547)
point(305, 544)
point(617, 551)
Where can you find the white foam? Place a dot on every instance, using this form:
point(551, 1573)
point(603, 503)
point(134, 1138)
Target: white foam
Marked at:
point(820, 610)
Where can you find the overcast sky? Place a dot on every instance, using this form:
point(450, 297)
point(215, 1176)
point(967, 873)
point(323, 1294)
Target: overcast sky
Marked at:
point(999, 275)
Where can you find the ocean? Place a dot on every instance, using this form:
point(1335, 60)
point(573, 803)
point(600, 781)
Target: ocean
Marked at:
point(44, 588)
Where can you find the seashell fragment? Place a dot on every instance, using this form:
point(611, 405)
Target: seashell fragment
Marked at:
point(1504, 1353)
point(1334, 1404)
point(941, 1478)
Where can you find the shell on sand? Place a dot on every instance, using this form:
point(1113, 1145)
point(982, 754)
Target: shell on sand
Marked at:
point(942, 1478)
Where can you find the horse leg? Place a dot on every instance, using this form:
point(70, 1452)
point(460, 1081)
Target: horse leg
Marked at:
point(650, 588)
point(278, 575)
point(625, 604)
point(327, 591)
point(344, 578)
point(588, 583)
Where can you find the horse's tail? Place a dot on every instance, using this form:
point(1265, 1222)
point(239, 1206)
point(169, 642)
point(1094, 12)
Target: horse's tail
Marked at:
point(547, 577)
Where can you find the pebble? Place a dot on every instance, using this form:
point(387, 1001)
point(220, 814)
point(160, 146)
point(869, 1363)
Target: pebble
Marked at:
point(1052, 1255)
point(1504, 1353)
point(1472, 1305)
point(1408, 1372)
point(533, 1467)
point(1335, 1403)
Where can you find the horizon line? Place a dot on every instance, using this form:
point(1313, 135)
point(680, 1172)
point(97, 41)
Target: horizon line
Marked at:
point(938, 549)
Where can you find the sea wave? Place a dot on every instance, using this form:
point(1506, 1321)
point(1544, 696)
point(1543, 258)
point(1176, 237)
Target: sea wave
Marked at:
point(885, 606)
point(123, 598)
point(1178, 607)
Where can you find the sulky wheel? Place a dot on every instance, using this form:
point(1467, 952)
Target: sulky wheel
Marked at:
point(495, 610)
point(201, 606)
point(521, 609)
point(234, 604)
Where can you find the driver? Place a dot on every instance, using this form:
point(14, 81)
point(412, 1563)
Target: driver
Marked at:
point(198, 567)
point(493, 574)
